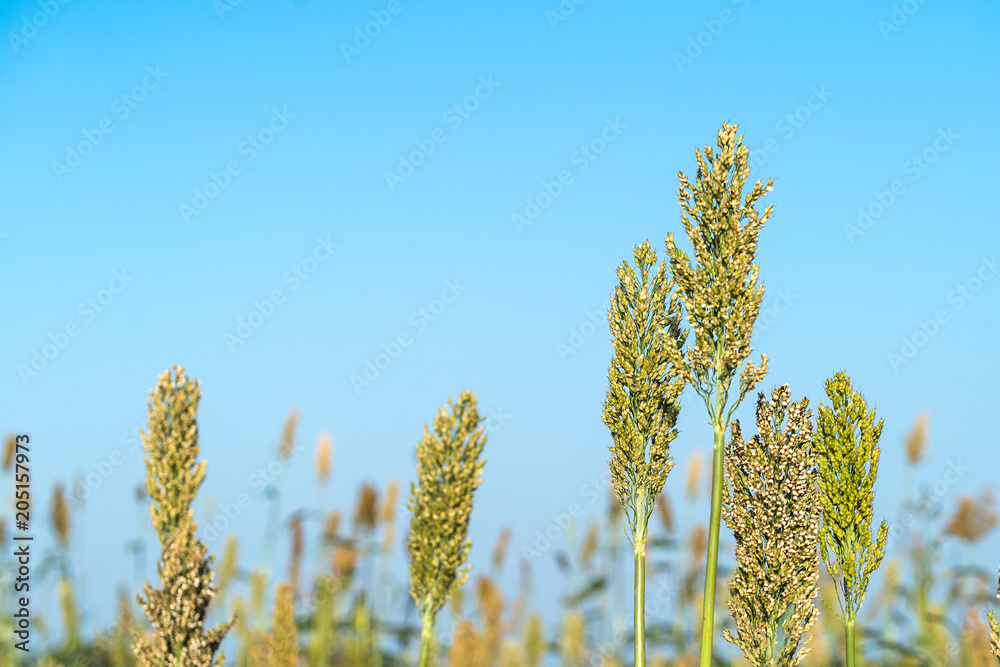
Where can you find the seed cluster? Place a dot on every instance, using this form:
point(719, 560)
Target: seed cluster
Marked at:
point(641, 407)
point(177, 612)
point(771, 504)
point(720, 295)
point(449, 470)
point(847, 455)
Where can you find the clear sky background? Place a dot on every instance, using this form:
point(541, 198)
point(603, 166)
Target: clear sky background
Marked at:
point(851, 107)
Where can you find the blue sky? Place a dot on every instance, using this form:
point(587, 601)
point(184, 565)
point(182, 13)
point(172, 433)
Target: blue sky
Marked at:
point(182, 167)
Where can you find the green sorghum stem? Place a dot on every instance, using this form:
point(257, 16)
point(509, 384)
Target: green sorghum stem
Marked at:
point(849, 641)
point(640, 602)
point(426, 634)
point(712, 560)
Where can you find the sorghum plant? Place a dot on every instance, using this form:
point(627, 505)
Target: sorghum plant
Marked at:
point(641, 407)
point(449, 469)
point(995, 627)
point(772, 506)
point(284, 642)
point(721, 298)
point(173, 475)
point(847, 451)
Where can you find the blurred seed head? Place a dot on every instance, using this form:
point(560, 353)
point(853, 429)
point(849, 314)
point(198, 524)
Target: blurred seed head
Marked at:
point(330, 527)
point(295, 562)
point(573, 641)
point(288, 435)
point(698, 542)
point(60, 516)
point(665, 513)
point(345, 560)
point(589, 547)
point(366, 512)
point(973, 518)
point(387, 512)
point(500, 548)
point(693, 475)
point(534, 641)
point(324, 457)
point(9, 445)
point(916, 441)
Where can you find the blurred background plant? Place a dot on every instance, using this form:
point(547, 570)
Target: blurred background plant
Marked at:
point(352, 606)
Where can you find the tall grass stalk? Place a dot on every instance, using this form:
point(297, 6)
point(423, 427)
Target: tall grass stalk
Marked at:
point(449, 469)
point(847, 450)
point(721, 299)
point(641, 407)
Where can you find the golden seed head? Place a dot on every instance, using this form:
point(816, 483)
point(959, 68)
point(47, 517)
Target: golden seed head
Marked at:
point(295, 562)
point(574, 638)
point(642, 402)
point(284, 638)
point(771, 503)
point(534, 641)
point(330, 527)
point(665, 513)
point(324, 457)
point(500, 548)
point(387, 512)
point(60, 516)
point(720, 292)
point(916, 441)
point(345, 560)
point(366, 511)
point(449, 470)
point(693, 475)
point(287, 443)
point(974, 518)
point(846, 444)
point(9, 446)
point(178, 611)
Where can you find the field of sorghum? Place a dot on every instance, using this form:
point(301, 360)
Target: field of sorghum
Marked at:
point(796, 498)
